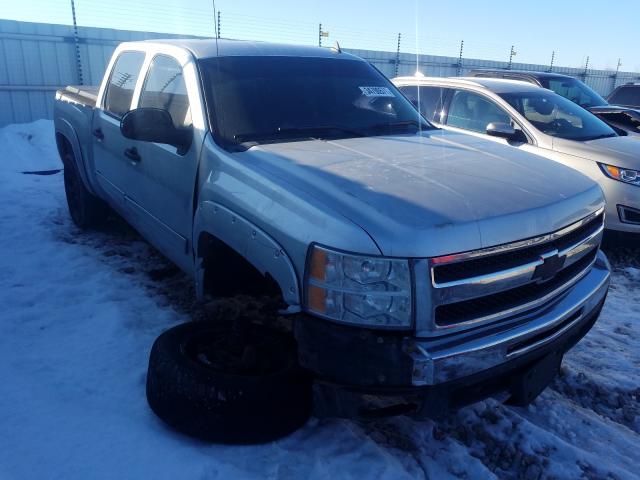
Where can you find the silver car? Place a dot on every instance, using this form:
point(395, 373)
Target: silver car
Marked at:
point(539, 121)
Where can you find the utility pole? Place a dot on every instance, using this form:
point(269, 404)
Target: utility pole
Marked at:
point(586, 67)
point(553, 57)
point(398, 54)
point(615, 76)
point(321, 34)
point(460, 58)
point(76, 41)
point(511, 55)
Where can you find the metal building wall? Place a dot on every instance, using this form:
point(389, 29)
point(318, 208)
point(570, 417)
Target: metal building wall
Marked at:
point(602, 81)
point(38, 58)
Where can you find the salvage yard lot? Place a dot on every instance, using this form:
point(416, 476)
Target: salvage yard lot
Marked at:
point(81, 310)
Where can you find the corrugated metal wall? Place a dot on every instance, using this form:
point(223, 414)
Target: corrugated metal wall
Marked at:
point(39, 58)
point(602, 81)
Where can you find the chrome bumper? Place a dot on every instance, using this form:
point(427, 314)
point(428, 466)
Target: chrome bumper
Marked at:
point(443, 359)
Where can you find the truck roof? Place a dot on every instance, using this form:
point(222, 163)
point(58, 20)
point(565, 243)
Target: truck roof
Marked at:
point(209, 48)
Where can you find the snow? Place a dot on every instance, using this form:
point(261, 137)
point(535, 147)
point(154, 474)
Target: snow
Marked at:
point(81, 310)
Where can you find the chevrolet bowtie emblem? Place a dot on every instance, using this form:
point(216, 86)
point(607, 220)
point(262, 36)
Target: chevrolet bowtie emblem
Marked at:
point(551, 265)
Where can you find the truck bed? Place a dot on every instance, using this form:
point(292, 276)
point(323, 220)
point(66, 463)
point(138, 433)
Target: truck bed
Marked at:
point(79, 94)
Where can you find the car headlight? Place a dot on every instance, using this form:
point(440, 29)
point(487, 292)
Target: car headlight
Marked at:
point(625, 175)
point(359, 290)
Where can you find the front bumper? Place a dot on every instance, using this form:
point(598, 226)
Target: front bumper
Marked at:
point(351, 362)
point(619, 196)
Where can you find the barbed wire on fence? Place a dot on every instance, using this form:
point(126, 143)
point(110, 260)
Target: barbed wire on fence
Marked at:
point(432, 55)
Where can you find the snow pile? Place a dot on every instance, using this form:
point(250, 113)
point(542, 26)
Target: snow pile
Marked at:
point(81, 310)
point(28, 147)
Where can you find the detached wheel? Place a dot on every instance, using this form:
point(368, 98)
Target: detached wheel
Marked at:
point(226, 383)
point(87, 210)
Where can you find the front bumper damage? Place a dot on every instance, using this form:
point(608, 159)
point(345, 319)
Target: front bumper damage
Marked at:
point(426, 377)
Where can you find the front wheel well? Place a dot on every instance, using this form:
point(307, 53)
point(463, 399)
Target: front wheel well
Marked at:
point(227, 273)
point(63, 144)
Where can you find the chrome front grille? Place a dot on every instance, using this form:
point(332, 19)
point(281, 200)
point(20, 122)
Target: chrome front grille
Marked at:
point(491, 284)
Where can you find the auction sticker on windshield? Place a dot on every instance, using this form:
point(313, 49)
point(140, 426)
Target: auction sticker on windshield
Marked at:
point(376, 92)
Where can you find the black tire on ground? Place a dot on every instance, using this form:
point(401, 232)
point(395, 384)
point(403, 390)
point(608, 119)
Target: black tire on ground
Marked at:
point(87, 210)
point(224, 384)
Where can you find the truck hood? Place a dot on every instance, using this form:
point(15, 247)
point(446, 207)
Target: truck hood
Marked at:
point(432, 194)
point(619, 151)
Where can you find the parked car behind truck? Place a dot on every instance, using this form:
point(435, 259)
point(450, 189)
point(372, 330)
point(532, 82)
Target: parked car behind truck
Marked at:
point(623, 116)
point(536, 120)
point(420, 265)
point(627, 95)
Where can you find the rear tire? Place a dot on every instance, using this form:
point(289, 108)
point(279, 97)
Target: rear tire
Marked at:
point(210, 381)
point(86, 210)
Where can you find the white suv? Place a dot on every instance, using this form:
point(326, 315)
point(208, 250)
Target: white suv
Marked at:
point(539, 121)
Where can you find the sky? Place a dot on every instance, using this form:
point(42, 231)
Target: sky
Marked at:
point(573, 29)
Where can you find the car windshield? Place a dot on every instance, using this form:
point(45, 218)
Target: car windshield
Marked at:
point(557, 116)
point(268, 99)
point(575, 90)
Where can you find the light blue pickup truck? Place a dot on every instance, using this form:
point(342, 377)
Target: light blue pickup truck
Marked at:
point(413, 262)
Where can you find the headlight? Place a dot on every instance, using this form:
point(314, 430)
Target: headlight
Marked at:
point(621, 174)
point(358, 290)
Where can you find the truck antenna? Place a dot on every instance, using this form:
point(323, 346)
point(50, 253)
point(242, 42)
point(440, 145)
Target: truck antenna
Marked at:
point(215, 23)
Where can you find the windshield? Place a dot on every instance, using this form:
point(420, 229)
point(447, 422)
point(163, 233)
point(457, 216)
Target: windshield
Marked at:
point(277, 99)
point(557, 116)
point(576, 91)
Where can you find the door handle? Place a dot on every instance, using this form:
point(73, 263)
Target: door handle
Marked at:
point(98, 133)
point(133, 154)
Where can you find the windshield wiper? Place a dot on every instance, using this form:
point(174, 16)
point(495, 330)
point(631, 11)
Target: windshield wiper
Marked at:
point(402, 124)
point(598, 137)
point(317, 131)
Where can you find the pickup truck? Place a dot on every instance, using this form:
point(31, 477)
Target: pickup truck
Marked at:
point(422, 268)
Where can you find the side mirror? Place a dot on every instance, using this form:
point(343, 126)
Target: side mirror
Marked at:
point(155, 125)
point(502, 130)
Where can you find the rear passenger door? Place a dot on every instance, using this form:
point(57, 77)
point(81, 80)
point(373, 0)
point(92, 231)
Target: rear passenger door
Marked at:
point(164, 193)
point(116, 173)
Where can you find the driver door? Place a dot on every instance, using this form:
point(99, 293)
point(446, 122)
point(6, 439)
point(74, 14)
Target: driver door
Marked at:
point(164, 195)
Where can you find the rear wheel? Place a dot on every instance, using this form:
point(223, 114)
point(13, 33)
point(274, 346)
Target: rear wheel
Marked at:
point(228, 383)
point(86, 209)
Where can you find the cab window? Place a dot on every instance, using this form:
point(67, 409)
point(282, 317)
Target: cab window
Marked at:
point(122, 82)
point(474, 112)
point(165, 88)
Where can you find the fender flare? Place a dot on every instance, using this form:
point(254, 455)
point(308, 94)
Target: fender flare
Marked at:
point(65, 129)
point(251, 242)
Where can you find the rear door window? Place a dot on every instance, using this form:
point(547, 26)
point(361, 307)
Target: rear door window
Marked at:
point(165, 88)
point(428, 100)
point(474, 112)
point(122, 82)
